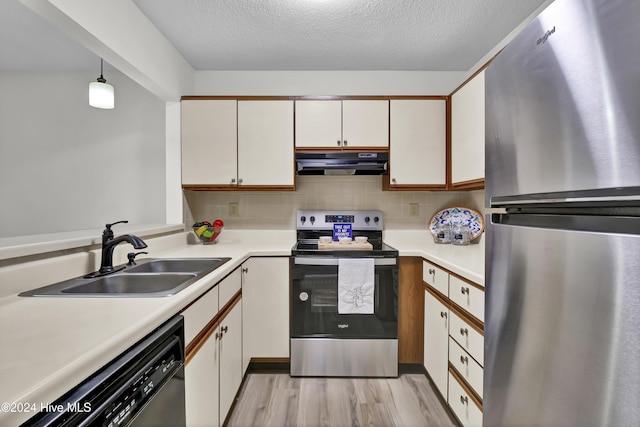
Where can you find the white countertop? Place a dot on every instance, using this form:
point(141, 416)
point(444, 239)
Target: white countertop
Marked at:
point(51, 344)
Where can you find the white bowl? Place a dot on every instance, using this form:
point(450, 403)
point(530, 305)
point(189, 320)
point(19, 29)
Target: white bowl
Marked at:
point(361, 239)
point(326, 239)
point(345, 240)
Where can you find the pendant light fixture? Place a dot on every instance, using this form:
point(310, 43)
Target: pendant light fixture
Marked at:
point(100, 92)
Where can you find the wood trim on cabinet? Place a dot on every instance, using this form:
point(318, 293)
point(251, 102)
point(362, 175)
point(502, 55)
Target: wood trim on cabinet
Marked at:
point(410, 311)
point(239, 98)
point(206, 187)
point(478, 71)
point(339, 149)
point(202, 337)
point(473, 184)
point(443, 299)
point(466, 387)
point(475, 324)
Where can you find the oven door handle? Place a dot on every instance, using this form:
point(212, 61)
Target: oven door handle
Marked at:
point(334, 261)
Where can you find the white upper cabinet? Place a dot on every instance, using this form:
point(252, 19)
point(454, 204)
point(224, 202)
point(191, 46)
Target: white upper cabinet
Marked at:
point(265, 143)
point(467, 132)
point(365, 123)
point(341, 124)
point(318, 123)
point(418, 143)
point(209, 140)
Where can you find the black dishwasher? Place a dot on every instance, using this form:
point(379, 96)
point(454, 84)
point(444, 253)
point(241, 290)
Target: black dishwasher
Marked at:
point(144, 386)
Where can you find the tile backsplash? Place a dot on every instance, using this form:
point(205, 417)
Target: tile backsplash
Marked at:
point(277, 209)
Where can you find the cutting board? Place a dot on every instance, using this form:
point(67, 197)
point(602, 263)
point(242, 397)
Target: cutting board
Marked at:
point(337, 246)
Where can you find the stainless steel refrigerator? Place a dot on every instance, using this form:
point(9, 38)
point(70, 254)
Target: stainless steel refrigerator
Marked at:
point(562, 323)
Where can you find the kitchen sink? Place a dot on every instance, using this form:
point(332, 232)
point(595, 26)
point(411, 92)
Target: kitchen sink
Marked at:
point(155, 277)
point(175, 265)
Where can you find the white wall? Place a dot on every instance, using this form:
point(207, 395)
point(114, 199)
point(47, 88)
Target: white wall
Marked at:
point(67, 166)
point(291, 83)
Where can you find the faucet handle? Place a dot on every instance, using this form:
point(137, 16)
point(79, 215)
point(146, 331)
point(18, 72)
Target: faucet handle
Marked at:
point(132, 256)
point(107, 231)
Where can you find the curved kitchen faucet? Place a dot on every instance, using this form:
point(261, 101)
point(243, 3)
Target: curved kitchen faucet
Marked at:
point(109, 243)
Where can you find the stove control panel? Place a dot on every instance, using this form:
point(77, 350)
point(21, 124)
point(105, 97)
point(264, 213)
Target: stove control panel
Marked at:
point(325, 220)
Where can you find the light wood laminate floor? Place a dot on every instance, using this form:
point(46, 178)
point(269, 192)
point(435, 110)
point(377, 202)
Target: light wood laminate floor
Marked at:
point(279, 400)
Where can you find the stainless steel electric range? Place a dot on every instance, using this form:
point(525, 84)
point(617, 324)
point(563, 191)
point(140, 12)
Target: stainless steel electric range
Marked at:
point(344, 298)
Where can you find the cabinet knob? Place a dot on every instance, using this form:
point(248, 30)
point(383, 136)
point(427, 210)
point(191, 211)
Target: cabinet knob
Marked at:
point(338, 143)
point(432, 271)
point(224, 329)
point(245, 269)
point(345, 143)
point(464, 400)
point(240, 181)
point(443, 314)
point(464, 359)
point(218, 335)
point(464, 331)
point(233, 180)
point(464, 290)
point(393, 180)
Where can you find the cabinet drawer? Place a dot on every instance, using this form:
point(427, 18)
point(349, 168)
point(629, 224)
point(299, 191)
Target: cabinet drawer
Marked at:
point(198, 314)
point(460, 402)
point(436, 277)
point(466, 366)
point(468, 338)
point(467, 296)
point(230, 286)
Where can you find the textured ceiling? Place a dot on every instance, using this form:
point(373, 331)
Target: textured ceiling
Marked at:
point(431, 35)
point(434, 35)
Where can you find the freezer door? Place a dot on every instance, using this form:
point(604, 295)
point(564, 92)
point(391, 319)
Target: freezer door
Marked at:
point(562, 103)
point(562, 322)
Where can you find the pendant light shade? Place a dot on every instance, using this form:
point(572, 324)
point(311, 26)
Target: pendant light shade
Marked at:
point(101, 94)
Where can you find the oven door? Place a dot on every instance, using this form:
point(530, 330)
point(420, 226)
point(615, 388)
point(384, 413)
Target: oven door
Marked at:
point(314, 301)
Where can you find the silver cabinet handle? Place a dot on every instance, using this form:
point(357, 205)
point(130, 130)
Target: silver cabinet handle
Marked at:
point(338, 142)
point(245, 269)
point(218, 335)
point(224, 329)
point(393, 180)
point(464, 290)
point(464, 400)
point(233, 180)
point(345, 142)
point(464, 359)
point(432, 272)
point(464, 331)
point(443, 314)
point(240, 181)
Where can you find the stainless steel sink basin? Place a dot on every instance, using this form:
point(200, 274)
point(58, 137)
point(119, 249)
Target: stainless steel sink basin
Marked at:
point(150, 278)
point(131, 284)
point(176, 265)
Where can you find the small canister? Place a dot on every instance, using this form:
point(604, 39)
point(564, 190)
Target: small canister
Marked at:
point(442, 234)
point(460, 234)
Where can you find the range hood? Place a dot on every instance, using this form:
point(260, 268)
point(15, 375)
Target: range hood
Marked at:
point(342, 163)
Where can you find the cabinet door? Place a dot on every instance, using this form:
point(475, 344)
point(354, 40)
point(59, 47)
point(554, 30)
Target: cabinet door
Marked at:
point(265, 143)
point(265, 299)
point(209, 141)
point(201, 385)
point(436, 335)
point(318, 123)
point(467, 131)
point(230, 359)
point(418, 144)
point(466, 410)
point(365, 123)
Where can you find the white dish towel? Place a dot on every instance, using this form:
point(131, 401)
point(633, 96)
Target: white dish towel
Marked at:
point(356, 285)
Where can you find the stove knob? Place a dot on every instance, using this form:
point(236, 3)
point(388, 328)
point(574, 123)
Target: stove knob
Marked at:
point(367, 219)
point(303, 296)
point(376, 219)
point(303, 219)
point(312, 219)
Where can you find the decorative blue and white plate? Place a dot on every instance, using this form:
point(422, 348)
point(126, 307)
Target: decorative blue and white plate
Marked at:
point(458, 215)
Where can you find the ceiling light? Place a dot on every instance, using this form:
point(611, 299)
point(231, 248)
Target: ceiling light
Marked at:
point(100, 93)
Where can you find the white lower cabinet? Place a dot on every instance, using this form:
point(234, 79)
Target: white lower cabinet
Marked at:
point(436, 335)
point(454, 342)
point(466, 410)
point(265, 299)
point(213, 371)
